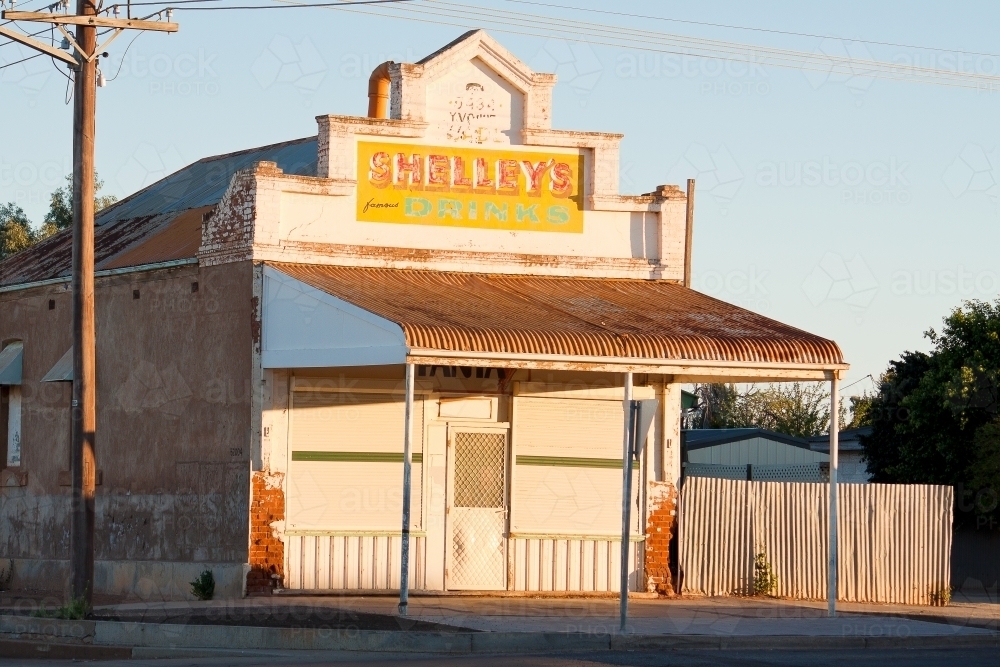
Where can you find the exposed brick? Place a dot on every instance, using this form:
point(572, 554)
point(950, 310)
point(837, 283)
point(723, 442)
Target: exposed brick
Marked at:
point(267, 552)
point(660, 526)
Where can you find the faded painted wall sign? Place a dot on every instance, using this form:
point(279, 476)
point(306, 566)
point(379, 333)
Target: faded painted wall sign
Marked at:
point(470, 187)
point(473, 117)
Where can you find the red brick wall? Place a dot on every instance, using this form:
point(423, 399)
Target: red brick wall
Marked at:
point(660, 527)
point(267, 553)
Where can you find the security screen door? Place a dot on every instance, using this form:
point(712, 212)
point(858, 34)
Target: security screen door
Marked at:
point(477, 510)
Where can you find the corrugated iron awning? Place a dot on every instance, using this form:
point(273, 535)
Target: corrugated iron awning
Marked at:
point(11, 362)
point(572, 317)
point(63, 370)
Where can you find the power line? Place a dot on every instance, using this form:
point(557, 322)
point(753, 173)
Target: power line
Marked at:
point(125, 53)
point(31, 34)
point(867, 377)
point(18, 62)
point(242, 7)
point(739, 27)
point(447, 13)
point(171, 4)
point(795, 57)
point(295, 6)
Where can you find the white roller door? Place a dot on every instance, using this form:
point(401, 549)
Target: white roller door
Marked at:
point(568, 467)
point(345, 468)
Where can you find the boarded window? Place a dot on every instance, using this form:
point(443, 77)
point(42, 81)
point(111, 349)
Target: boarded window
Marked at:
point(346, 468)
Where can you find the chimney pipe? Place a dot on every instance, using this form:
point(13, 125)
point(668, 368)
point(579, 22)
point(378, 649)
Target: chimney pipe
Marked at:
point(688, 232)
point(378, 91)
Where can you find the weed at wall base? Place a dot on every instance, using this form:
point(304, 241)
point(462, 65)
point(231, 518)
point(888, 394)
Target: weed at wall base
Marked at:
point(203, 587)
point(765, 581)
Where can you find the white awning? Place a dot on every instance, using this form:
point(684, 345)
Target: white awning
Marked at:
point(10, 363)
point(63, 370)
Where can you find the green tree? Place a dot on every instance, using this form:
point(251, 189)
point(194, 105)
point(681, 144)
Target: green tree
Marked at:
point(935, 417)
point(797, 409)
point(60, 214)
point(16, 233)
point(861, 410)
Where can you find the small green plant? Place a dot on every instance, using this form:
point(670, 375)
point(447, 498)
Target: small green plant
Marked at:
point(76, 610)
point(7, 574)
point(765, 581)
point(203, 587)
point(942, 597)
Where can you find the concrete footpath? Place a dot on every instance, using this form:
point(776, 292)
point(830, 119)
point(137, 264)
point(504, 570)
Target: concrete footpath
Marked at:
point(488, 625)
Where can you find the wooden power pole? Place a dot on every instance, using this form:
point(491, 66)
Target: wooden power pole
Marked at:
point(83, 467)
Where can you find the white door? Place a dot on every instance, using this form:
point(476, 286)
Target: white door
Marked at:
point(477, 509)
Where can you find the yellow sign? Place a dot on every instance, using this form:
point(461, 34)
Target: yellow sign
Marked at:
point(458, 186)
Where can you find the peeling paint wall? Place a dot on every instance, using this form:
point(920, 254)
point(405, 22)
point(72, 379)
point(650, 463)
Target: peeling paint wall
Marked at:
point(173, 416)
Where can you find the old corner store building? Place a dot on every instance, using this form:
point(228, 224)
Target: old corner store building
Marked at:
point(452, 235)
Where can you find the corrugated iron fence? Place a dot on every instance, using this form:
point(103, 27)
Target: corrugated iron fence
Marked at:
point(894, 539)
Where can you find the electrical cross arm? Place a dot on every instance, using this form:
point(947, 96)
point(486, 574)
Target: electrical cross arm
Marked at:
point(97, 21)
point(39, 46)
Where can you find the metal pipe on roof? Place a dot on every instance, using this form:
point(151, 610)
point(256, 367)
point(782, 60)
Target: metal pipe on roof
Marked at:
point(689, 232)
point(378, 91)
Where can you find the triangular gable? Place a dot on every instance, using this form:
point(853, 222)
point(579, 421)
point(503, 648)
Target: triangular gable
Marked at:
point(472, 91)
point(477, 44)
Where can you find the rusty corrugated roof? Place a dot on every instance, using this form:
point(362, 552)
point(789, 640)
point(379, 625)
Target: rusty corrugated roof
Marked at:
point(645, 319)
point(154, 218)
point(53, 257)
point(178, 239)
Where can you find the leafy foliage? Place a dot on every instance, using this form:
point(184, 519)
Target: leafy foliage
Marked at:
point(765, 581)
point(861, 410)
point(797, 409)
point(15, 230)
point(203, 587)
point(936, 417)
point(76, 610)
point(60, 215)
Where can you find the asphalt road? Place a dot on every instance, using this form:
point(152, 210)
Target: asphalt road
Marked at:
point(855, 658)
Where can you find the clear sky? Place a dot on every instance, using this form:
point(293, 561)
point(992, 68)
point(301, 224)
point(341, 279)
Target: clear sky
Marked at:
point(856, 208)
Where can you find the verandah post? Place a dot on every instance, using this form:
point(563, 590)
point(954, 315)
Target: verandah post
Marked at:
point(626, 496)
point(831, 583)
point(404, 562)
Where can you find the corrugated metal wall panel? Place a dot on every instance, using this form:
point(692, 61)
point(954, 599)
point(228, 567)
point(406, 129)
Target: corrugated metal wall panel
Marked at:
point(351, 562)
point(894, 540)
point(756, 451)
point(337, 495)
point(567, 564)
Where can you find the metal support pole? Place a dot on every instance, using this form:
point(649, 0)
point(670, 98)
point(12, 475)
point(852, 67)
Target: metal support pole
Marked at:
point(626, 495)
point(404, 562)
point(831, 587)
point(83, 461)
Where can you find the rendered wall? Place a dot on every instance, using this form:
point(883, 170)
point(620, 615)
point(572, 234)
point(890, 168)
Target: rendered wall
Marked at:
point(173, 446)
